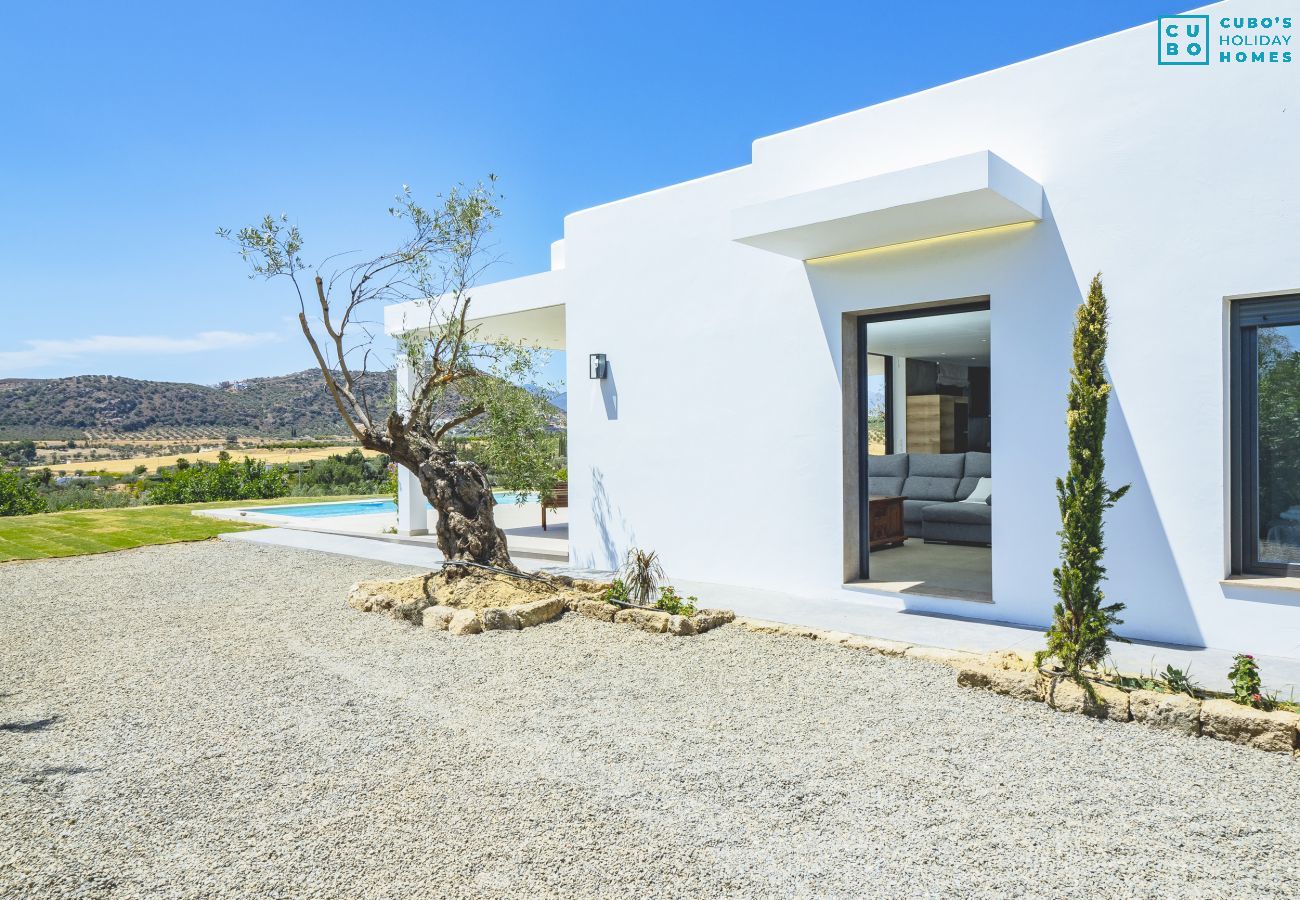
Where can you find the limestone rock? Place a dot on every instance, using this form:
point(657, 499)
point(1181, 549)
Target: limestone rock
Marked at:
point(465, 621)
point(709, 619)
point(1012, 661)
point(401, 598)
point(1020, 685)
point(438, 617)
point(681, 626)
point(877, 645)
point(1067, 696)
point(1230, 721)
point(652, 620)
point(494, 618)
point(943, 656)
point(1170, 712)
point(539, 611)
point(762, 626)
point(758, 626)
point(596, 609)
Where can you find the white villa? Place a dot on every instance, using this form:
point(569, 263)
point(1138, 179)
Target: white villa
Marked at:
point(813, 369)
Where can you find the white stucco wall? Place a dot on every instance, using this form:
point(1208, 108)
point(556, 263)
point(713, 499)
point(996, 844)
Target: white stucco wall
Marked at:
point(717, 438)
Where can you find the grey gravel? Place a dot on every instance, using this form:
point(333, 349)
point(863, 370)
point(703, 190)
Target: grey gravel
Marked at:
point(212, 720)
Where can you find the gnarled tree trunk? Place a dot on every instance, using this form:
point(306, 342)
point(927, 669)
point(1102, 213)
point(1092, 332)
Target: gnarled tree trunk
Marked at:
point(467, 528)
point(459, 491)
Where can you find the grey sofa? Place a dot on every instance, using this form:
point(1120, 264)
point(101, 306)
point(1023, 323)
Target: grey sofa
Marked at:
point(933, 486)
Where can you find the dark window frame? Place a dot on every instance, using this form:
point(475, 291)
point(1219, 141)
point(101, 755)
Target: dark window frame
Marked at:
point(1246, 317)
point(864, 493)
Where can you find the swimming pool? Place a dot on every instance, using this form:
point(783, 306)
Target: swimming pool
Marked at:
point(352, 507)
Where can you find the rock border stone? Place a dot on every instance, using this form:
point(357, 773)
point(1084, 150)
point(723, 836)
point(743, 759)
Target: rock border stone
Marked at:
point(657, 621)
point(414, 600)
point(1014, 675)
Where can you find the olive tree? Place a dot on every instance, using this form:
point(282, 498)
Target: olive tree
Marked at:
point(457, 383)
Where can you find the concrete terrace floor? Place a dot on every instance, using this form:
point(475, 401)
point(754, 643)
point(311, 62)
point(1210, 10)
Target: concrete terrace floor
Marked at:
point(938, 570)
point(1208, 666)
point(521, 523)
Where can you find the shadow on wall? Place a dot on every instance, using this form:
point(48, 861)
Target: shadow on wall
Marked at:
point(609, 392)
point(603, 515)
point(1141, 570)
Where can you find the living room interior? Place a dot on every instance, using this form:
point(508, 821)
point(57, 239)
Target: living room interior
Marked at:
point(926, 451)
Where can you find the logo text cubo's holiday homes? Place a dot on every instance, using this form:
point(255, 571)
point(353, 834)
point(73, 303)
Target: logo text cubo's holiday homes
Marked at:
point(1198, 40)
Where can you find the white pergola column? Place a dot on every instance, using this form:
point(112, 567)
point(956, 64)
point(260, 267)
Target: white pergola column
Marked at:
point(412, 512)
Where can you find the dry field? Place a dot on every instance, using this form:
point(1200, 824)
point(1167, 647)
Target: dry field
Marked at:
point(153, 462)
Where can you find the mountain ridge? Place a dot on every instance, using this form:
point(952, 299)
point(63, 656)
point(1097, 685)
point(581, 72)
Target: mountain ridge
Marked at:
point(292, 405)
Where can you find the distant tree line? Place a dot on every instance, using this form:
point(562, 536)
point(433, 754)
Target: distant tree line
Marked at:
point(39, 490)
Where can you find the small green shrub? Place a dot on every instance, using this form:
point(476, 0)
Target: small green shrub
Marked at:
point(1172, 680)
point(671, 603)
point(642, 574)
point(1179, 681)
point(616, 592)
point(18, 495)
point(80, 497)
point(1246, 686)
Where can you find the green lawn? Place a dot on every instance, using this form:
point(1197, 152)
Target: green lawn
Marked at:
point(82, 531)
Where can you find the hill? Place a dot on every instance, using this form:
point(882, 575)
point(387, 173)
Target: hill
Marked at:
point(295, 405)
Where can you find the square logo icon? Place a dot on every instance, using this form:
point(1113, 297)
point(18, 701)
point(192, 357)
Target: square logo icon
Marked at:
point(1183, 41)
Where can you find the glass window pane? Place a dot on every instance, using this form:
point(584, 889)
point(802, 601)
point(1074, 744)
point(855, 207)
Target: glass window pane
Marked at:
point(875, 404)
point(1278, 386)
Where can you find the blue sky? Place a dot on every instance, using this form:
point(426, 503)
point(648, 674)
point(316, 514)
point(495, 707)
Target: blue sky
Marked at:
point(133, 130)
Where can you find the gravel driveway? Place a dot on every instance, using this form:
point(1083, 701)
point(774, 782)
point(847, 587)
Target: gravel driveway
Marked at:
point(211, 719)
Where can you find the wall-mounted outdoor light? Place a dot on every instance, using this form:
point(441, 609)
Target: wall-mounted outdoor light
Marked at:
point(596, 366)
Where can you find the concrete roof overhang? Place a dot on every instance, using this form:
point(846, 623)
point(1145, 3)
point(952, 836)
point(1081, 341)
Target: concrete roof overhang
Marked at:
point(965, 193)
point(528, 310)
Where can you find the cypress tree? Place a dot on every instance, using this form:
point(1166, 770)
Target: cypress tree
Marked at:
point(1082, 621)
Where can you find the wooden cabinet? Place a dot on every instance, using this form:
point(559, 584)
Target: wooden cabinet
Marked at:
point(936, 423)
point(884, 522)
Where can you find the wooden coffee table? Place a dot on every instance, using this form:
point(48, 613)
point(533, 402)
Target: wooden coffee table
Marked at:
point(885, 522)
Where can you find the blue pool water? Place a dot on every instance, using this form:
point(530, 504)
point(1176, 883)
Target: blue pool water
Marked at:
point(353, 507)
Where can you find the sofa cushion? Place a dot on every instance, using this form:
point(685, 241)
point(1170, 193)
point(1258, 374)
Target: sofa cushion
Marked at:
point(936, 465)
point(912, 509)
point(955, 533)
point(893, 465)
point(958, 513)
point(884, 485)
point(979, 465)
point(925, 487)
